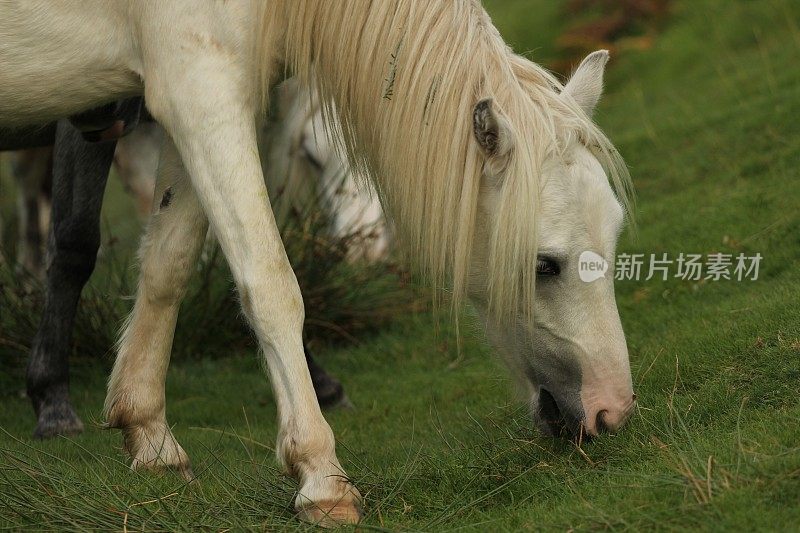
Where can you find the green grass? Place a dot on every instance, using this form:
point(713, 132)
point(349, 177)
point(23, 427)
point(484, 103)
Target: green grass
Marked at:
point(707, 120)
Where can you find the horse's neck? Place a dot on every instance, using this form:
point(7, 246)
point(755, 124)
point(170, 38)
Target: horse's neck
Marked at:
point(376, 64)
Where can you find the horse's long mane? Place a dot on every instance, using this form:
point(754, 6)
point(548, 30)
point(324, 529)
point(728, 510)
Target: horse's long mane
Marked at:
point(403, 77)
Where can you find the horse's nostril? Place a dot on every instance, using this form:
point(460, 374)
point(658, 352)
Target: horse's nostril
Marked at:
point(548, 408)
point(600, 423)
point(550, 414)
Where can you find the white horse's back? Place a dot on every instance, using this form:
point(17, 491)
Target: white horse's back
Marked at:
point(59, 58)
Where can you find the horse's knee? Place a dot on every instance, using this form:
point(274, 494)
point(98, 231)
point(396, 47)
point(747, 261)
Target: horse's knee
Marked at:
point(166, 268)
point(76, 264)
point(162, 288)
point(75, 251)
point(171, 247)
point(38, 377)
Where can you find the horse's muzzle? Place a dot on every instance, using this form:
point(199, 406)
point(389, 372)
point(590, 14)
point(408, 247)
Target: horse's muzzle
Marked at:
point(608, 418)
point(565, 416)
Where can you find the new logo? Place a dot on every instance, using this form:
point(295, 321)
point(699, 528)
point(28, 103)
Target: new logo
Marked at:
point(591, 266)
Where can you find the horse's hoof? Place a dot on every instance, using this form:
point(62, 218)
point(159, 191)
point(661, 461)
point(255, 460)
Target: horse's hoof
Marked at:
point(183, 469)
point(153, 447)
point(330, 514)
point(55, 420)
point(344, 404)
point(330, 393)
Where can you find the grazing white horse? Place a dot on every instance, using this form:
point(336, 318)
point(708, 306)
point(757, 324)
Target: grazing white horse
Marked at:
point(492, 172)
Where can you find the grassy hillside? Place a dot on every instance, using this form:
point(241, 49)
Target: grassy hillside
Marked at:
point(707, 120)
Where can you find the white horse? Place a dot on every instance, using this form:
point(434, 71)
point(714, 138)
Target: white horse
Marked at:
point(492, 172)
point(304, 167)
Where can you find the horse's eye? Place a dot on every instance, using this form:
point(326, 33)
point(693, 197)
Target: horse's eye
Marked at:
point(546, 266)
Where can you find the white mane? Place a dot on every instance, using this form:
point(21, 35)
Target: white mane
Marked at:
point(403, 78)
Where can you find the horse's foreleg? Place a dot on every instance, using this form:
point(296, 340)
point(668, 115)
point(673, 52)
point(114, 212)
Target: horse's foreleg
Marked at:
point(80, 173)
point(136, 401)
point(217, 142)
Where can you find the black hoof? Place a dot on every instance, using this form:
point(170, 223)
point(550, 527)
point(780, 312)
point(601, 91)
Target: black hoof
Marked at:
point(57, 420)
point(330, 392)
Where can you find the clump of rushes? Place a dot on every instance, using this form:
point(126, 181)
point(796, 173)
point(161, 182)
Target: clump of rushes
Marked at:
point(345, 300)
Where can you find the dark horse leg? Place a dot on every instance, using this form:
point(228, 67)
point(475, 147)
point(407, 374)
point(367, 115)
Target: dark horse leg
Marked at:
point(80, 172)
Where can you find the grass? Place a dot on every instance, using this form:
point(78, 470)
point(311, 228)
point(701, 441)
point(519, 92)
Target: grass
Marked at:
point(706, 119)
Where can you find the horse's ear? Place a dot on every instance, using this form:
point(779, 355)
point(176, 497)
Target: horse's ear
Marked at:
point(586, 83)
point(491, 129)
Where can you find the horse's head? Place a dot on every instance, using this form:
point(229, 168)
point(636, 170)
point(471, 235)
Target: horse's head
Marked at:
point(571, 357)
